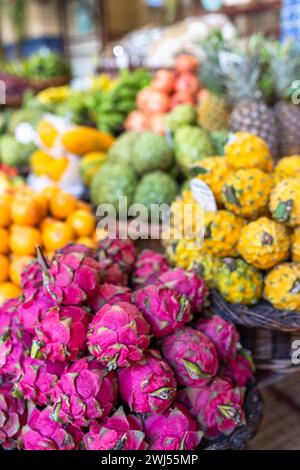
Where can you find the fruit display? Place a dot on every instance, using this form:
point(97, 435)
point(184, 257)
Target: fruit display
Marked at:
point(77, 367)
point(253, 236)
point(167, 90)
point(49, 219)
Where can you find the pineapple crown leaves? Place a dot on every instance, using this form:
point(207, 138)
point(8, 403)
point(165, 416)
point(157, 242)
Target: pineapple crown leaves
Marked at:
point(284, 67)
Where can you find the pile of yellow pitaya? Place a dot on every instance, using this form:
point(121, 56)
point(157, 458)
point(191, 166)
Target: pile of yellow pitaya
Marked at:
point(107, 349)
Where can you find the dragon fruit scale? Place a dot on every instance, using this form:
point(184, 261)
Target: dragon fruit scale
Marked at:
point(217, 407)
point(192, 356)
point(43, 433)
point(9, 316)
point(240, 369)
point(108, 294)
point(121, 251)
point(119, 432)
point(37, 379)
point(31, 277)
point(71, 278)
point(186, 283)
point(12, 417)
point(34, 307)
point(61, 335)
point(85, 392)
point(164, 309)
point(149, 386)
point(172, 430)
point(148, 267)
point(71, 248)
point(118, 335)
point(223, 334)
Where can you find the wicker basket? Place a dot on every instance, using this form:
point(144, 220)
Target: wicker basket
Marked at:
point(265, 331)
point(239, 439)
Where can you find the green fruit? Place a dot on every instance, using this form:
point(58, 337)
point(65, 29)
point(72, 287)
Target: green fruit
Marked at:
point(122, 148)
point(156, 187)
point(151, 152)
point(13, 153)
point(182, 115)
point(31, 116)
point(219, 140)
point(112, 181)
point(191, 144)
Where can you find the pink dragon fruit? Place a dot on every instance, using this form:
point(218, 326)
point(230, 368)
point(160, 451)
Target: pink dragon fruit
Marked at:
point(149, 386)
point(71, 278)
point(240, 369)
point(34, 307)
point(192, 355)
point(164, 309)
point(120, 251)
point(61, 335)
point(112, 273)
point(36, 380)
point(118, 335)
point(223, 334)
point(186, 283)
point(119, 432)
point(217, 407)
point(72, 248)
point(148, 267)
point(12, 417)
point(9, 316)
point(31, 277)
point(86, 391)
point(173, 430)
point(42, 433)
point(108, 294)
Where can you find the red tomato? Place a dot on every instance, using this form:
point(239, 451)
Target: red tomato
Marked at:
point(136, 121)
point(164, 81)
point(157, 123)
point(186, 63)
point(182, 98)
point(187, 83)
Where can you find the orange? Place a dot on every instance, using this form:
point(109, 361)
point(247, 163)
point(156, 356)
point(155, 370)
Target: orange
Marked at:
point(100, 234)
point(4, 268)
point(4, 241)
point(49, 192)
point(47, 133)
point(17, 265)
point(62, 205)
point(5, 219)
point(23, 240)
point(25, 210)
point(86, 242)
point(84, 205)
point(47, 221)
point(8, 290)
point(57, 235)
point(82, 222)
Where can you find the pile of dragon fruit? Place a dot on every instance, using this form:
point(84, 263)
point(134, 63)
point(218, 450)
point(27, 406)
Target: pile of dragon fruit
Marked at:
point(110, 350)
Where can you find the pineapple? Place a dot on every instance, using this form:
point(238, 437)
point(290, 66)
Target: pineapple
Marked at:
point(296, 245)
point(282, 286)
point(246, 193)
point(243, 70)
point(245, 150)
point(264, 243)
point(285, 69)
point(213, 111)
point(285, 202)
point(287, 167)
point(238, 282)
point(222, 232)
point(214, 171)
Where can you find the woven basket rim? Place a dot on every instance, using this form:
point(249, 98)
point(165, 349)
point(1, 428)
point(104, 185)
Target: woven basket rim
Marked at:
point(261, 315)
point(240, 436)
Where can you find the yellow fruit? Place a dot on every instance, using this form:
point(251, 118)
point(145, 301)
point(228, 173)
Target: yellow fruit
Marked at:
point(25, 210)
point(296, 245)
point(246, 150)
point(57, 168)
point(213, 112)
point(186, 216)
point(81, 140)
point(246, 193)
point(47, 133)
point(282, 286)
point(16, 267)
point(287, 167)
point(62, 205)
point(285, 202)
point(83, 223)
point(222, 231)
point(214, 171)
point(51, 95)
point(4, 268)
point(23, 240)
point(57, 235)
point(87, 242)
point(5, 204)
point(264, 243)
point(4, 241)
point(43, 164)
point(8, 290)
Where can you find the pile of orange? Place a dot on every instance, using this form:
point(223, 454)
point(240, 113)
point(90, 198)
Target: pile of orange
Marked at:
point(50, 219)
